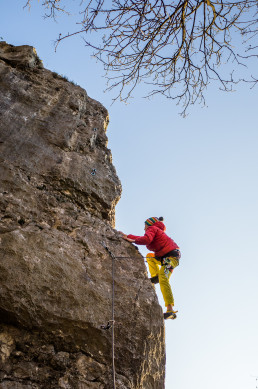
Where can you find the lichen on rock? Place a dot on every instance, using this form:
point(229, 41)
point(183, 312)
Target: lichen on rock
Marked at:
point(58, 191)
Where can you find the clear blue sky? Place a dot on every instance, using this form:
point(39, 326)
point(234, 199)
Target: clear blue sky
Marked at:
point(200, 173)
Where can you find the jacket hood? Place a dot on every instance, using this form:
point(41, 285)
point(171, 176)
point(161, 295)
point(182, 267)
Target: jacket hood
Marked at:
point(160, 225)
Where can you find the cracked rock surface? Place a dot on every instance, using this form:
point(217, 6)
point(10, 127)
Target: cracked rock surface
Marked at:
point(58, 191)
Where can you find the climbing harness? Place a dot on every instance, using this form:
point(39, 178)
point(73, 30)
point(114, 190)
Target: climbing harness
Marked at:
point(167, 265)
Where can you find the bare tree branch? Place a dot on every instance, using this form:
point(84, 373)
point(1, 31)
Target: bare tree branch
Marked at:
point(175, 47)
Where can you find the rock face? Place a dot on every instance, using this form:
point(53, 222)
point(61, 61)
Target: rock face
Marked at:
point(58, 191)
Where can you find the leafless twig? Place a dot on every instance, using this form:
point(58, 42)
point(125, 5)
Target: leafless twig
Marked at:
point(175, 47)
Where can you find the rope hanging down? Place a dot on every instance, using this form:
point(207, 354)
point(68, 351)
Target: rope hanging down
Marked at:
point(131, 258)
point(111, 323)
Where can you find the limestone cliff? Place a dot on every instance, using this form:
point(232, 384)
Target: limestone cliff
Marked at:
point(58, 191)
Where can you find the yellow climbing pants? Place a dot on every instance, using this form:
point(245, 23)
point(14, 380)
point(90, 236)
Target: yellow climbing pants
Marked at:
point(164, 273)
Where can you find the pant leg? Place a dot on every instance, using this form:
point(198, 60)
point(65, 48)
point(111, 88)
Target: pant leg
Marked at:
point(153, 264)
point(164, 276)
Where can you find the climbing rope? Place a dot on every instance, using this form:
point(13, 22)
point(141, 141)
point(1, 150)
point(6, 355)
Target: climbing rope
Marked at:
point(111, 323)
point(131, 258)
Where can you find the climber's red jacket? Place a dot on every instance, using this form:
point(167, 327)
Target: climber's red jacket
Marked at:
point(156, 240)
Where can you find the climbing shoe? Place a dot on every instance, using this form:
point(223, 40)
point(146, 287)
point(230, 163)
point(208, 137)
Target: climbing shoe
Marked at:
point(155, 280)
point(169, 315)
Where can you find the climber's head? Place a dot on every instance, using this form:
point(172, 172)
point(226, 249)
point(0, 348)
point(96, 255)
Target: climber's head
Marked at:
point(153, 220)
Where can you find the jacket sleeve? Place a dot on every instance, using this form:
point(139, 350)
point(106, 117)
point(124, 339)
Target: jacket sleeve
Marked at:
point(132, 236)
point(146, 239)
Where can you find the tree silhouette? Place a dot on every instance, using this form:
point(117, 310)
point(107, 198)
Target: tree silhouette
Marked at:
point(175, 47)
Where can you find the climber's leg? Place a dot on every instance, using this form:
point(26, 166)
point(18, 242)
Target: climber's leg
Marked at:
point(153, 264)
point(164, 275)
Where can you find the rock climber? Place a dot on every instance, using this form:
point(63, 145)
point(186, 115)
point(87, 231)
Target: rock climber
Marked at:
point(162, 263)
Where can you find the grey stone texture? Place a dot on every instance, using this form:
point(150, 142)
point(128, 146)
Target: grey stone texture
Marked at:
point(58, 191)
